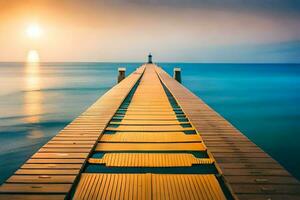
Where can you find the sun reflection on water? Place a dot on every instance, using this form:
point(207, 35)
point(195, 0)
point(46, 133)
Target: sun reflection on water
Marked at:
point(33, 97)
point(33, 56)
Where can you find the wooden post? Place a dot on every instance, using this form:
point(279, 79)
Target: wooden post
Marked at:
point(150, 58)
point(121, 75)
point(177, 74)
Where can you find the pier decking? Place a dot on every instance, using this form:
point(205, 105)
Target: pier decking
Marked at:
point(150, 138)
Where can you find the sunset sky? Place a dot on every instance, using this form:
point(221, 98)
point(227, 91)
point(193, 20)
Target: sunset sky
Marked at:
point(126, 30)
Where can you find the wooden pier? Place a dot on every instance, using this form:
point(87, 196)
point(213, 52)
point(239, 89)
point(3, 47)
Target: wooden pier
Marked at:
point(150, 138)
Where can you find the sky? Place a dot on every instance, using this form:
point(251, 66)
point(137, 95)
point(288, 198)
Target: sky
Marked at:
point(238, 31)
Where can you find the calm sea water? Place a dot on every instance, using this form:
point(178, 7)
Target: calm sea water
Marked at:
point(37, 100)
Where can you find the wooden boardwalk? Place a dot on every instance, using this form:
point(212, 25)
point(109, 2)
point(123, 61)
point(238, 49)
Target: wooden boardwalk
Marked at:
point(150, 138)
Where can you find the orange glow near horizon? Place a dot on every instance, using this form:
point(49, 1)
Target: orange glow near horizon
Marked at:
point(81, 31)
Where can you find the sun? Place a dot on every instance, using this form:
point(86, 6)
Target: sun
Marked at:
point(33, 31)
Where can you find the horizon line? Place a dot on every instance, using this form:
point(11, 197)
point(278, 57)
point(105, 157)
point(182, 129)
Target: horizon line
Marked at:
point(143, 62)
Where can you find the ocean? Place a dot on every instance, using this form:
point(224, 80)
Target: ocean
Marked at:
point(39, 99)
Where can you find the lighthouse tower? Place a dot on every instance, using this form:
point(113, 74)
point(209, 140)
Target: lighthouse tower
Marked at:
point(149, 58)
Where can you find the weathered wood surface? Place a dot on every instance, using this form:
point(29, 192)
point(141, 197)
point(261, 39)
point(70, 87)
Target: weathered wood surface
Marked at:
point(196, 146)
point(150, 160)
point(149, 135)
point(148, 186)
point(251, 173)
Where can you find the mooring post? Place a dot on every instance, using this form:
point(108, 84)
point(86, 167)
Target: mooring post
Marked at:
point(177, 74)
point(150, 58)
point(121, 75)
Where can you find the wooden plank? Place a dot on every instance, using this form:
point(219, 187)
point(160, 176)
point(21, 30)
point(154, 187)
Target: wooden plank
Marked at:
point(64, 150)
point(51, 142)
point(148, 122)
point(63, 161)
point(150, 160)
point(47, 171)
point(51, 166)
point(60, 155)
point(266, 189)
point(150, 147)
point(68, 146)
point(41, 179)
point(240, 155)
point(74, 139)
point(172, 128)
point(150, 137)
point(31, 197)
point(80, 135)
point(248, 160)
point(262, 179)
point(35, 188)
point(149, 117)
point(233, 149)
point(249, 171)
point(249, 165)
point(267, 196)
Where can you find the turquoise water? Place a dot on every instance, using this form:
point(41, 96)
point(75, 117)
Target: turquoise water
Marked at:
point(37, 100)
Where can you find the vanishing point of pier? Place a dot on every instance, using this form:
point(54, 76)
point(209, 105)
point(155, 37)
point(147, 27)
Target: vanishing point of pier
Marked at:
point(150, 138)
